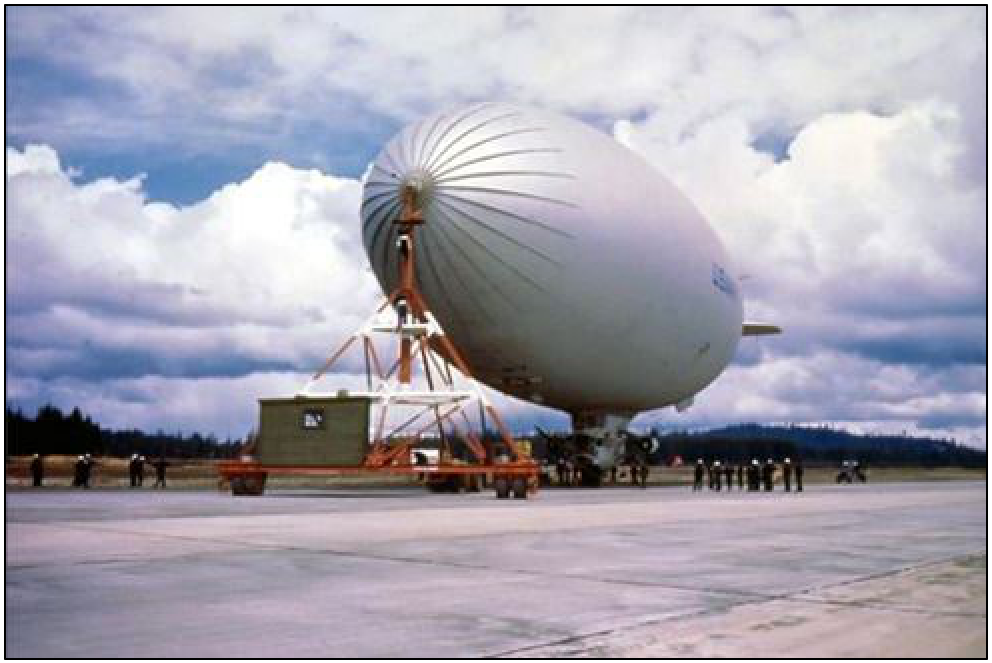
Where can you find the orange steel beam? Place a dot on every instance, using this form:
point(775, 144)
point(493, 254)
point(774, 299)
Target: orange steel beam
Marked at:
point(334, 358)
point(514, 469)
point(375, 360)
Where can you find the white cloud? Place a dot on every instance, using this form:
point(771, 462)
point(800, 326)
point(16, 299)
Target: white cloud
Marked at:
point(250, 74)
point(102, 282)
point(860, 221)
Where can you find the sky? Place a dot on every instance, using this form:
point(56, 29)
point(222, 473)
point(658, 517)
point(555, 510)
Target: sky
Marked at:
point(182, 190)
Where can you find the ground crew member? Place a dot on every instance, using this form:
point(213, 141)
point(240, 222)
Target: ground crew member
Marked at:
point(141, 470)
point(84, 470)
point(160, 466)
point(697, 483)
point(645, 470)
point(769, 474)
point(562, 469)
point(728, 471)
point(740, 476)
point(132, 470)
point(78, 470)
point(787, 474)
point(799, 475)
point(88, 471)
point(752, 475)
point(715, 476)
point(37, 470)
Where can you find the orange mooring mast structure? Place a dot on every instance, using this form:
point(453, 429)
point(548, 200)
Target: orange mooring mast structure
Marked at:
point(421, 342)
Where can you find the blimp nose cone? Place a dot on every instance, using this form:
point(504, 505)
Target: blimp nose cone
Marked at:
point(420, 184)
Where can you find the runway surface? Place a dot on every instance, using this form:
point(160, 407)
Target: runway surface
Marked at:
point(864, 570)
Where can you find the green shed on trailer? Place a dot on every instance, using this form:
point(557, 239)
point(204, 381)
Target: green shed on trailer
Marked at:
point(305, 431)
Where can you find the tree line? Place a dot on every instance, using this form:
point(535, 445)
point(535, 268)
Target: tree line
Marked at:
point(52, 432)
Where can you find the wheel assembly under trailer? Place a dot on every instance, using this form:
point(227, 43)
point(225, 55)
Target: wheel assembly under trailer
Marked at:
point(346, 433)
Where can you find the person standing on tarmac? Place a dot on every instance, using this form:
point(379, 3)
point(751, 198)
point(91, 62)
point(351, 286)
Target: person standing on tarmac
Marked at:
point(37, 470)
point(752, 475)
point(160, 466)
point(132, 470)
point(740, 476)
point(769, 475)
point(715, 478)
point(787, 474)
point(140, 470)
point(87, 470)
point(79, 469)
point(799, 475)
point(728, 472)
point(697, 483)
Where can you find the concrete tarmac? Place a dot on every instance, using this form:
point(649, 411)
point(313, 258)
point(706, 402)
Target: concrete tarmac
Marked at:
point(866, 570)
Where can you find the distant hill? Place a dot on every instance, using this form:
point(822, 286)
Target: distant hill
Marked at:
point(53, 432)
point(819, 443)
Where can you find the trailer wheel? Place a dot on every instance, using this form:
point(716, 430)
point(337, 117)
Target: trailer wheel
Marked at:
point(502, 488)
point(520, 488)
point(248, 484)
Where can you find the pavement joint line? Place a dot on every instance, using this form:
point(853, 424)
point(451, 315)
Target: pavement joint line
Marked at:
point(801, 595)
point(758, 600)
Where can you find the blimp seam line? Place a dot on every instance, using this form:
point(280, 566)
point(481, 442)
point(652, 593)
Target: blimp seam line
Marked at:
point(512, 215)
point(487, 250)
point(507, 173)
point(373, 247)
point(430, 241)
point(388, 156)
point(460, 278)
point(390, 206)
point(412, 146)
point(387, 255)
point(498, 233)
point(504, 192)
point(382, 223)
point(423, 151)
point(370, 216)
point(499, 155)
point(376, 166)
point(429, 151)
point(447, 130)
point(435, 161)
point(382, 183)
point(377, 195)
point(489, 139)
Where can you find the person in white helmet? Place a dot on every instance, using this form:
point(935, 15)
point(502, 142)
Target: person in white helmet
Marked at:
point(79, 470)
point(37, 470)
point(88, 464)
point(698, 471)
point(787, 474)
point(753, 476)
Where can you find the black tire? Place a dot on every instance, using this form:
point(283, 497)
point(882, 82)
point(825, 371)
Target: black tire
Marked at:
point(520, 488)
point(247, 485)
point(502, 488)
point(591, 476)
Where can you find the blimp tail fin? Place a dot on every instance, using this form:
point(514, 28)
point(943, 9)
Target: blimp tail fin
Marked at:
point(759, 329)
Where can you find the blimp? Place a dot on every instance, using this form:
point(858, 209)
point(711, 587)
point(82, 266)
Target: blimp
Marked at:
point(566, 270)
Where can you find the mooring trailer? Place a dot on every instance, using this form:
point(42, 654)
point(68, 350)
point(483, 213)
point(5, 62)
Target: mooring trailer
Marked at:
point(329, 436)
